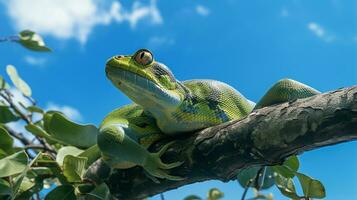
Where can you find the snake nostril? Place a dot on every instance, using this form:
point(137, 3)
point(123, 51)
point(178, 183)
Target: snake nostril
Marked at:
point(118, 57)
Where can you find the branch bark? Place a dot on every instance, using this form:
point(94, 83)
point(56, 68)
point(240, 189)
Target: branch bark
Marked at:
point(265, 137)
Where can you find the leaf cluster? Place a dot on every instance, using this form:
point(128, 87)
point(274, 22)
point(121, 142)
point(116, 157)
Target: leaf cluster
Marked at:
point(282, 176)
point(53, 153)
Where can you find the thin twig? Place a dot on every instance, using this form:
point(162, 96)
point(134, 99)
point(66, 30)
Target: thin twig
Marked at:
point(38, 196)
point(9, 100)
point(13, 38)
point(256, 181)
point(246, 189)
point(17, 135)
point(20, 137)
point(4, 39)
point(259, 182)
point(162, 197)
point(41, 147)
point(33, 101)
point(47, 147)
point(7, 97)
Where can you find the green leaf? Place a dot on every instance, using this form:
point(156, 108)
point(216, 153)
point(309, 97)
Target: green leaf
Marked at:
point(13, 164)
point(292, 162)
point(38, 131)
point(286, 186)
point(92, 154)
point(35, 109)
point(68, 150)
point(62, 192)
point(25, 195)
point(250, 174)
point(192, 197)
point(68, 132)
point(85, 188)
point(101, 192)
point(35, 181)
point(284, 171)
point(32, 41)
point(247, 176)
point(46, 161)
point(20, 178)
point(5, 189)
point(312, 188)
point(17, 80)
point(6, 115)
point(3, 154)
point(6, 141)
point(26, 184)
point(17, 182)
point(36, 172)
point(3, 84)
point(268, 178)
point(214, 194)
point(288, 168)
point(74, 168)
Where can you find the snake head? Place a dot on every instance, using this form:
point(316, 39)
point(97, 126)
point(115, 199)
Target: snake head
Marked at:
point(148, 83)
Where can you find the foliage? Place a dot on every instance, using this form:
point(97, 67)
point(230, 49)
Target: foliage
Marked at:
point(282, 176)
point(63, 150)
point(32, 41)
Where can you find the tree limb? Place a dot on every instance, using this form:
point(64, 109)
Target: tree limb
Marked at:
point(265, 137)
point(8, 97)
point(19, 136)
point(39, 147)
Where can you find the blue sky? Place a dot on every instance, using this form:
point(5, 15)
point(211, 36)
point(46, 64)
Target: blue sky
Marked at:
point(247, 44)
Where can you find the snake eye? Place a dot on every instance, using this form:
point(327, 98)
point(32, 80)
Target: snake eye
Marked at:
point(143, 57)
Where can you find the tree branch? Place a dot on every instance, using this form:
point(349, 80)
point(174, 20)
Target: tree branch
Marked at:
point(17, 135)
point(39, 147)
point(265, 137)
point(7, 96)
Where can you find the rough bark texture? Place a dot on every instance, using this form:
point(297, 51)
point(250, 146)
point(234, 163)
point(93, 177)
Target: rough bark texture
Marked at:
point(265, 137)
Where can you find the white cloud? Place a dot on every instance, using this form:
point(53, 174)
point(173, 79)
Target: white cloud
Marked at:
point(202, 10)
point(320, 32)
point(69, 111)
point(316, 29)
point(35, 60)
point(66, 19)
point(139, 12)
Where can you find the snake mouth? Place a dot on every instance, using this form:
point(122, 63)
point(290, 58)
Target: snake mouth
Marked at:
point(139, 88)
point(115, 70)
point(135, 81)
point(122, 75)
